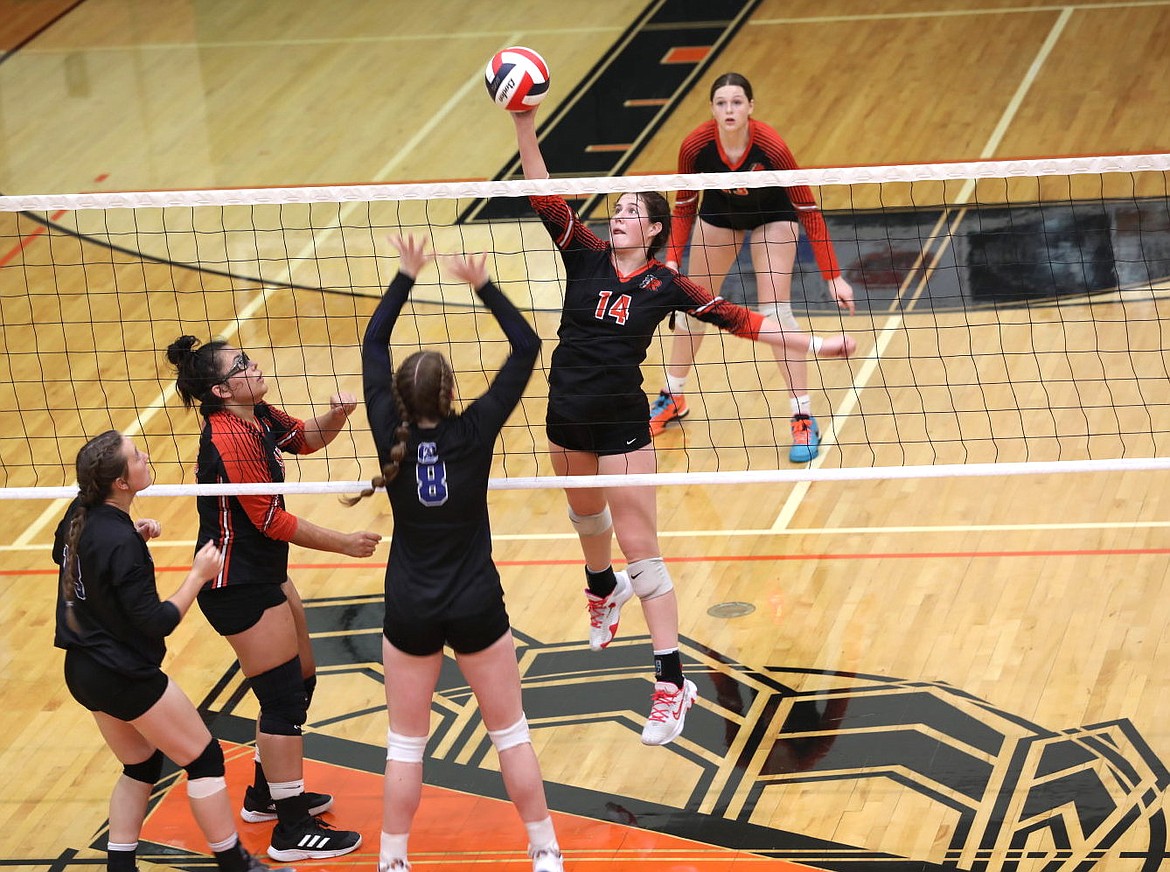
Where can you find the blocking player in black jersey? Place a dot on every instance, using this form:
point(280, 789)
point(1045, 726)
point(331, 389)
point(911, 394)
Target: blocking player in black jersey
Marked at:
point(442, 587)
point(616, 295)
point(113, 625)
point(252, 602)
point(733, 141)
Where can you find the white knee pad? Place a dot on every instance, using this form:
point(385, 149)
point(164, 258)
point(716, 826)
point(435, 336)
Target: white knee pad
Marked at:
point(782, 312)
point(405, 749)
point(591, 525)
point(650, 578)
point(198, 788)
point(510, 737)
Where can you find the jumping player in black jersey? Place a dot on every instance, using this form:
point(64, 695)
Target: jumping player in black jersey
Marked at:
point(442, 587)
point(616, 295)
point(252, 602)
point(112, 625)
point(732, 141)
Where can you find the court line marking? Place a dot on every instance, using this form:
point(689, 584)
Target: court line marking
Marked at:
point(956, 13)
point(941, 529)
point(861, 381)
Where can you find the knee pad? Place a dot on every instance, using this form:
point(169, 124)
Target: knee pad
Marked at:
point(782, 312)
point(650, 578)
point(283, 701)
point(310, 686)
point(510, 737)
point(205, 773)
point(148, 771)
point(591, 525)
point(405, 749)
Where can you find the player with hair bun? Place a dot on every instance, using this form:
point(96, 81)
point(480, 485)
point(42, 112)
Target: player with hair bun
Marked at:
point(733, 141)
point(252, 602)
point(616, 295)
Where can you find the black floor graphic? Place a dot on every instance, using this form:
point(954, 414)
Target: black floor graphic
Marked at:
point(1013, 791)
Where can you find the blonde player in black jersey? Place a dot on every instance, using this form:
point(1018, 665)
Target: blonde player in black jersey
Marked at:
point(112, 625)
point(616, 295)
point(442, 587)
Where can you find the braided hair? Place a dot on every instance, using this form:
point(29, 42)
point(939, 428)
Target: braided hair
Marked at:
point(422, 387)
point(197, 372)
point(100, 462)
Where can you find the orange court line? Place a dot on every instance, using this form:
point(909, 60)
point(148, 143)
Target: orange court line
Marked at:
point(728, 558)
point(687, 54)
point(452, 830)
point(25, 241)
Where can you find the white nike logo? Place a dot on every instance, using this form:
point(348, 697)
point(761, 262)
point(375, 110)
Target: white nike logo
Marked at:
point(631, 441)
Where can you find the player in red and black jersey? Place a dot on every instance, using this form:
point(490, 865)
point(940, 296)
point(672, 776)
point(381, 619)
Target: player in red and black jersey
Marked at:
point(733, 141)
point(442, 586)
point(252, 602)
point(616, 295)
point(113, 626)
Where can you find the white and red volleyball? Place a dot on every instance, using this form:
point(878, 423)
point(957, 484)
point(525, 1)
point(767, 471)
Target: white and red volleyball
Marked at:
point(517, 78)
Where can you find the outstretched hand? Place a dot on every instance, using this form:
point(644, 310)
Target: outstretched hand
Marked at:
point(413, 252)
point(472, 268)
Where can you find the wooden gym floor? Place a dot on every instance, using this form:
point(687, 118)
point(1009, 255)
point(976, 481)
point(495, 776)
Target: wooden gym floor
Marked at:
point(934, 674)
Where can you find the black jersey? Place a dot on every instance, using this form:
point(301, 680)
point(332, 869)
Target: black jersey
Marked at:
point(253, 531)
point(121, 621)
point(746, 208)
point(441, 549)
point(608, 320)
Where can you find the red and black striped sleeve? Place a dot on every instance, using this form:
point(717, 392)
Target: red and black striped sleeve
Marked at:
point(686, 203)
point(241, 451)
point(811, 219)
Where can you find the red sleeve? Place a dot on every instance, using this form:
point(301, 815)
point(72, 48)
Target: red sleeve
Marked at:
point(240, 450)
point(811, 219)
point(737, 320)
point(563, 224)
point(289, 432)
point(686, 203)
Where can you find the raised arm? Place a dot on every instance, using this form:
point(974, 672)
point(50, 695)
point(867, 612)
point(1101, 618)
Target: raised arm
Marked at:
point(531, 157)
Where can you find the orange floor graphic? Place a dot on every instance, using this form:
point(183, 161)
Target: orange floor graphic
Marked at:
point(453, 830)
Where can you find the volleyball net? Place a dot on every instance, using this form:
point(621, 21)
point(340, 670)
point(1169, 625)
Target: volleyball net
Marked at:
point(1011, 318)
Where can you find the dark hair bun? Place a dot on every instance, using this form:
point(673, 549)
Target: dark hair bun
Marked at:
point(180, 348)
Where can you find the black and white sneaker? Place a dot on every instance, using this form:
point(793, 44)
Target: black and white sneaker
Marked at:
point(258, 809)
point(311, 839)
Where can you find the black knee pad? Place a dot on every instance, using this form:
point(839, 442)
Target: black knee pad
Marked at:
point(148, 771)
point(283, 702)
point(310, 686)
point(209, 764)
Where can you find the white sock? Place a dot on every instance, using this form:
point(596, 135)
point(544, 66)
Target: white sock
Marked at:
point(128, 847)
point(393, 847)
point(801, 405)
point(285, 789)
point(676, 384)
point(541, 834)
point(229, 842)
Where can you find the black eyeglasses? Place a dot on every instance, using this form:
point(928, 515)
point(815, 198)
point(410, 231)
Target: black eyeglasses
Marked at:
point(241, 363)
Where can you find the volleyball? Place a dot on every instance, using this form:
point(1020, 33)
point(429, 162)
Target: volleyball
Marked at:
point(517, 78)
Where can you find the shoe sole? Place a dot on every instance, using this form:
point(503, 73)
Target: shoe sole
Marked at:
point(291, 854)
point(261, 817)
point(656, 430)
point(692, 693)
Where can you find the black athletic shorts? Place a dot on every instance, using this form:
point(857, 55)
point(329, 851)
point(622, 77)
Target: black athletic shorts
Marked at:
point(748, 220)
point(101, 689)
point(627, 429)
point(238, 607)
point(465, 635)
